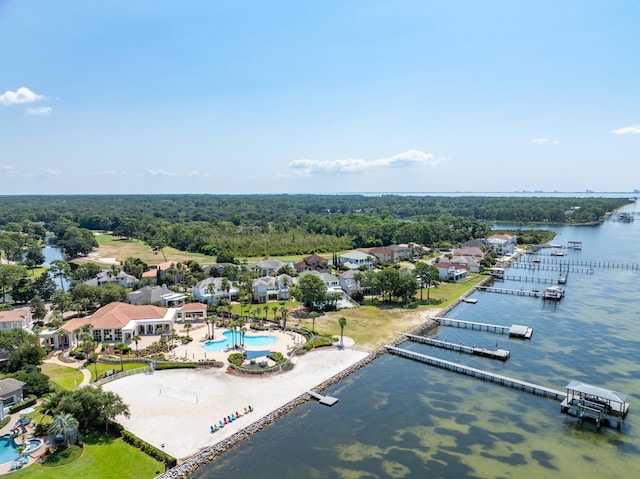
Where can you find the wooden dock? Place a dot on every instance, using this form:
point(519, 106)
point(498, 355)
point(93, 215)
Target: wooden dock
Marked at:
point(324, 400)
point(498, 353)
point(578, 263)
point(513, 330)
point(533, 293)
point(534, 279)
point(551, 267)
point(480, 374)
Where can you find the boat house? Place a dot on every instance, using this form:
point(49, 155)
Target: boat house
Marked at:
point(595, 403)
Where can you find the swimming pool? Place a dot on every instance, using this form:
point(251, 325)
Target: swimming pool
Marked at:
point(227, 341)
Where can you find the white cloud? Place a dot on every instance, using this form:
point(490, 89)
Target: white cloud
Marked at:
point(158, 173)
point(542, 141)
point(41, 111)
point(6, 168)
point(20, 96)
point(356, 165)
point(53, 172)
point(627, 130)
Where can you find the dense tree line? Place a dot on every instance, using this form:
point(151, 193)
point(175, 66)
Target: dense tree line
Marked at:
point(275, 225)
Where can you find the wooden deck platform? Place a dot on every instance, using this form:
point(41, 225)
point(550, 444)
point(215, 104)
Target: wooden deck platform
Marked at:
point(534, 293)
point(498, 353)
point(480, 374)
point(324, 400)
point(514, 330)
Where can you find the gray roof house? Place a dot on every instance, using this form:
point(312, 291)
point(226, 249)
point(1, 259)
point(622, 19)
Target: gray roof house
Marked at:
point(121, 279)
point(272, 288)
point(210, 290)
point(160, 295)
point(357, 258)
point(348, 283)
point(11, 391)
point(267, 267)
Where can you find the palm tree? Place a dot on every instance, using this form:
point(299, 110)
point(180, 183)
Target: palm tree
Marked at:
point(121, 348)
point(275, 311)
point(313, 315)
point(226, 286)
point(49, 403)
point(135, 339)
point(76, 333)
point(188, 326)
point(60, 269)
point(284, 312)
point(342, 321)
point(63, 425)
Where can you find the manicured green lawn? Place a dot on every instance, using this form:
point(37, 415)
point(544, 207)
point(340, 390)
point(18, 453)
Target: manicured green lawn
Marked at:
point(103, 458)
point(103, 368)
point(63, 376)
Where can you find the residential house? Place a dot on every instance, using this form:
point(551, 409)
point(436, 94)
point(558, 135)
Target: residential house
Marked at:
point(348, 281)
point(270, 288)
point(404, 251)
point(267, 267)
point(452, 272)
point(383, 255)
point(215, 269)
point(119, 322)
point(472, 262)
point(107, 277)
point(10, 392)
point(354, 259)
point(19, 318)
point(474, 243)
point(313, 262)
point(503, 244)
point(331, 281)
point(158, 295)
point(157, 273)
point(469, 251)
point(210, 290)
point(193, 312)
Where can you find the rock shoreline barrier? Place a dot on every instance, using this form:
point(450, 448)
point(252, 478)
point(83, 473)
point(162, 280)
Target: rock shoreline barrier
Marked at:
point(209, 454)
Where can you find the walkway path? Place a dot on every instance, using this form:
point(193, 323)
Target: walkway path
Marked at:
point(86, 375)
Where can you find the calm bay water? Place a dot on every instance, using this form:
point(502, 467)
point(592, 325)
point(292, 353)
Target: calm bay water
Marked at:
point(401, 419)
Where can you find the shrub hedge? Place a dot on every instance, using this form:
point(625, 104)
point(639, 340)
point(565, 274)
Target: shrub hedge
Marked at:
point(30, 401)
point(148, 449)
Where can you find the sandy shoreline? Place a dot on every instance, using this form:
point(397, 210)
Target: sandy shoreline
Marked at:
point(177, 407)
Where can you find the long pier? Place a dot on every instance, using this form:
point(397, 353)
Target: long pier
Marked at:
point(518, 292)
point(550, 267)
point(480, 374)
point(532, 279)
point(562, 260)
point(513, 330)
point(501, 354)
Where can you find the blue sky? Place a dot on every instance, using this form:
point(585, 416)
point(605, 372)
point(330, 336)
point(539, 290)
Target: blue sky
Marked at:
point(318, 97)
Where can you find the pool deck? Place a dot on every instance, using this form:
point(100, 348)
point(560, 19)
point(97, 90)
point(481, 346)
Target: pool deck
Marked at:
point(33, 456)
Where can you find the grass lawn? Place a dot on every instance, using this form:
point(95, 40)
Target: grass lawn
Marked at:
point(376, 324)
point(63, 376)
point(110, 246)
point(104, 458)
point(103, 368)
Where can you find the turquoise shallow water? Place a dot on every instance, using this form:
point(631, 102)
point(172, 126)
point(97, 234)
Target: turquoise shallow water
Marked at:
point(402, 419)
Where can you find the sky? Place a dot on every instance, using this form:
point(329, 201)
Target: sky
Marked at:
point(338, 96)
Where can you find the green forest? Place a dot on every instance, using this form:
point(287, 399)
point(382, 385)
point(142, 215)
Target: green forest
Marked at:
point(276, 225)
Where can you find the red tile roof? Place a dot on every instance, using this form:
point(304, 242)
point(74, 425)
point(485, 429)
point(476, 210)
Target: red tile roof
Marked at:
point(116, 316)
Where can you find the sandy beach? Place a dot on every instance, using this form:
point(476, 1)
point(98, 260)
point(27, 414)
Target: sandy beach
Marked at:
point(176, 408)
